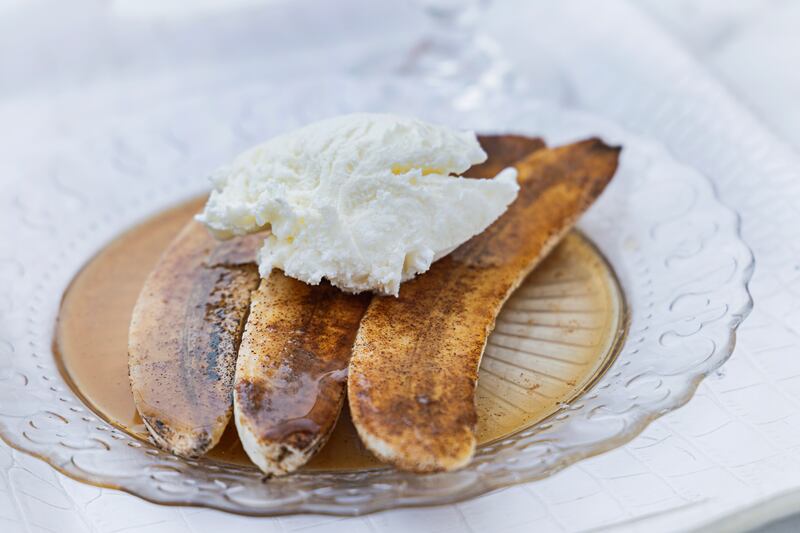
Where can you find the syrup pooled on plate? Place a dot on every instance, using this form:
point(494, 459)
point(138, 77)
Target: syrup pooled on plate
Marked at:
point(553, 339)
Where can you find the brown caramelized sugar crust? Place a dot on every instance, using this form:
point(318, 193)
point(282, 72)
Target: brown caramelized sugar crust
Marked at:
point(292, 368)
point(184, 334)
point(503, 150)
point(415, 361)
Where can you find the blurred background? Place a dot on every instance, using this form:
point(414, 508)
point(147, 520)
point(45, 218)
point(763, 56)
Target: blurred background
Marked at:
point(51, 48)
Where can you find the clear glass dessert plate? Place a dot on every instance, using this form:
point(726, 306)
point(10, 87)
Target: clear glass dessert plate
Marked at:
point(671, 247)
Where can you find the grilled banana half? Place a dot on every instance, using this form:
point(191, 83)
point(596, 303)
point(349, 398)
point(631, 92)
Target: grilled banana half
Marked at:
point(292, 369)
point(414, 368)
point(184, 336)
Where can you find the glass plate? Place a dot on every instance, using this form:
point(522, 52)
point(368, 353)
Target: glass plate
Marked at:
point(675, 249)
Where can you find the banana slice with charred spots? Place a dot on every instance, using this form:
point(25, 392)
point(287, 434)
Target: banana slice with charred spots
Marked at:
point(184, 336)
point(414, 369)
point(292, 368)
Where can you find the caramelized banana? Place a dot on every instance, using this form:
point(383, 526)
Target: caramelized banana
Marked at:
point(184, 336)
point(503, 151)
point(292, 368)
point(415, 362)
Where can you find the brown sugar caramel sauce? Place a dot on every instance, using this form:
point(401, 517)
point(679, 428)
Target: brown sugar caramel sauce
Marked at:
point(92, 337)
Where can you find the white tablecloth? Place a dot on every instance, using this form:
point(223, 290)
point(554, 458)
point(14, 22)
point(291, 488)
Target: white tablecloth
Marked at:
point(654, 68)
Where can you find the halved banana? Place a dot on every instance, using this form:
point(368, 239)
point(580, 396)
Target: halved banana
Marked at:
point(184, 336)
point(414, 369)
point(292, 369)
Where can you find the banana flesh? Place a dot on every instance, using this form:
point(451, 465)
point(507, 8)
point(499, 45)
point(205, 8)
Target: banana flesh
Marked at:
point(415, 362)
point(184, 336)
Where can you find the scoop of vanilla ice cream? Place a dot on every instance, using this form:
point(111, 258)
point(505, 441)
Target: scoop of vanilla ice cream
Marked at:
point(364, 200)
